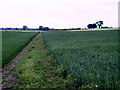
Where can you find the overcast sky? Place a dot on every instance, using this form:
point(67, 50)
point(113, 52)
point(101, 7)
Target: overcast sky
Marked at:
point(58, 13)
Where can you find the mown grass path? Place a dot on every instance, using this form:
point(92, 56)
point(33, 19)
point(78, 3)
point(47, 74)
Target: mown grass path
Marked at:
point(34, 68)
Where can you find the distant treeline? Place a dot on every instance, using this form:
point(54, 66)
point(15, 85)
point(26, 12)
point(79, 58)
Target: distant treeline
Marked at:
point(90, 26)
point(40, 28)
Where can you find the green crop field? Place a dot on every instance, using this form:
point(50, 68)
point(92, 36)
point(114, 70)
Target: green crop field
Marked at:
point(13, 43)
point(91, 57)
point(73, 59)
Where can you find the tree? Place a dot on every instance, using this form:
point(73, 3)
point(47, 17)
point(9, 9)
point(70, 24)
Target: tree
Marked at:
point(94, 25)
point(41, 27)
point(99, 23)
point(46, 28)
point(90, 26)
point(25, 27)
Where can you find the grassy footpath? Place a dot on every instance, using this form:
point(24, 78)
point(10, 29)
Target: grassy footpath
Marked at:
point(37, 70)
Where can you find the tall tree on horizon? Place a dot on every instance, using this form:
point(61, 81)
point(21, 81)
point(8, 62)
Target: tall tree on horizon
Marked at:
point(99, 23)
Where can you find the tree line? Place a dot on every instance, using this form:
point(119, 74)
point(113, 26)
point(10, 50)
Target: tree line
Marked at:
point(90, 26)
point(95, 25)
